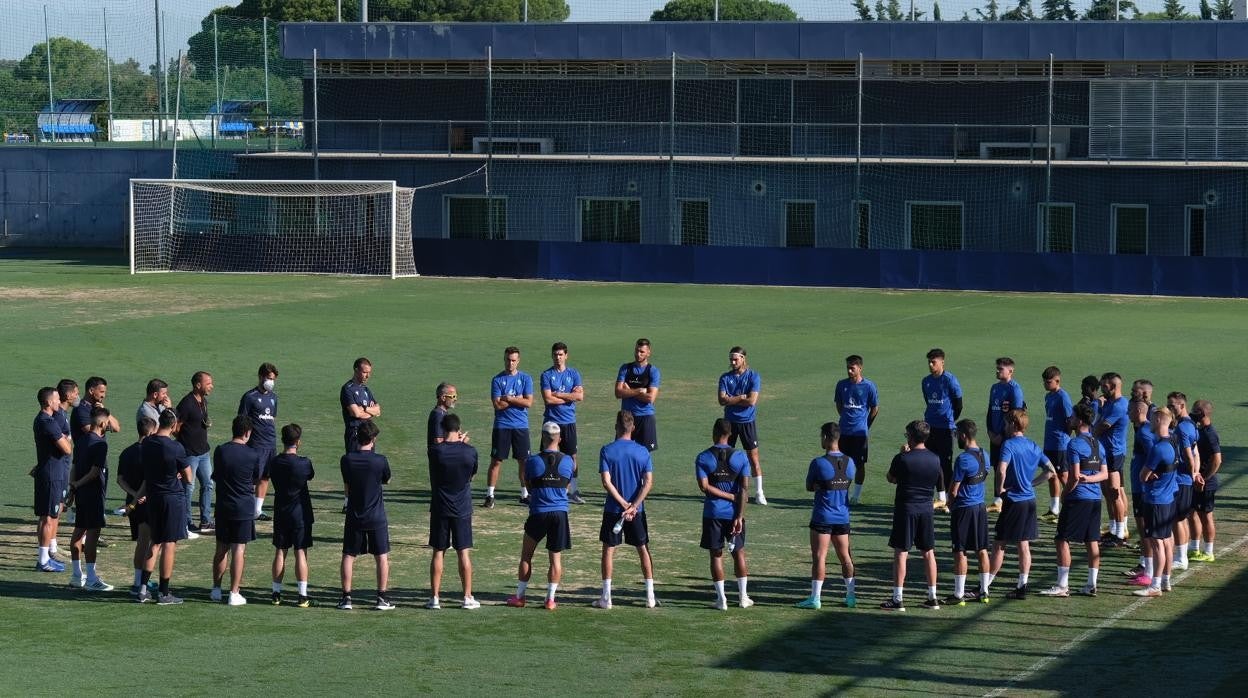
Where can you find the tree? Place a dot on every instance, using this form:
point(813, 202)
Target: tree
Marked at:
point(1175, 10)
point(894, 11)
point(991, 11)
point(1224, 9)
point(863, 10)
point(1054, 10)
point(402, 10)
point(730, 10)
point(1104, 9)
point(936, 12)
point(880, 11)
point(1206, 12)
point(1020, 13)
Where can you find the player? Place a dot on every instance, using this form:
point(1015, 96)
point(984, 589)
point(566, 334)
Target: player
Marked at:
point(968, 523)
point(67, 389)
point(235, 470)
point(829, 477)
point(164, 473)
point(1160, 478)
point(445, 395)
point(80, 418)
point(738, 395)
point(1140, 411)
point(561, 390)
point(1187, 475)
point(1004, 397)
point(637, 387)
point(1080, 517)
point(292, 513)
point(1089, 394)
point(130, 479)
point(1111, 429)
point(1020, 459)
point(52, 451)
point(260, 404)
point(90, 474)
point(358, 402)
point(366, 531)
point(452, 465)
point(1209, 448)
point(156, 401)
point(721, 471)
point(943, 396)
point(858, 404)
point(916, 472)
point(511, 392)
point(548, 474)
point(627, 473)
point(1145, 439)
point(1058, 412)
point(193, 417)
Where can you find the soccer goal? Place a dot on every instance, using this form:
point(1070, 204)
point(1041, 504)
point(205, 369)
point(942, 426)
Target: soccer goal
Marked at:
point(271, 226)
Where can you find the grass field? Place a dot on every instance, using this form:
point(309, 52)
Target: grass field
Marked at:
point(83, 316)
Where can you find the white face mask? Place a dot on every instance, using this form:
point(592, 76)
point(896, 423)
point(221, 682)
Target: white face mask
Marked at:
point(268, 383)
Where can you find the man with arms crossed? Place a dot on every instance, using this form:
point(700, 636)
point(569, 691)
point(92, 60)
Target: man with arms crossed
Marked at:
point(627, 475)
point(738, 395)
point(452, 465)
point(1160, 478)
point(1058, 412)
point(366, 531)
point(1111, 429)
point(968, 524)
point(916, 472)
point(829, 477)
point(1186, 436)
point(511, 392)
point(1209, 448)
point(548, 474)
point(561, 390)
point(1080, 517)
point(943, 396)
point(721, 472)
point(637, 387)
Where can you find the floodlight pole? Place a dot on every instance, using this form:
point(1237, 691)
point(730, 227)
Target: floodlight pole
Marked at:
point(108, 73)
point(363, 10)
point(858, 145)
point(268, 109)
point(489, 136)
point(160, 120)
point(716, 10)
point(177, 109)
point(526, 16)
point(47, 45)
point(338, 16)
point(216, 62)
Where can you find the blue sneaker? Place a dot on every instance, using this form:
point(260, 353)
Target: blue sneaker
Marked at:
point(50, 566)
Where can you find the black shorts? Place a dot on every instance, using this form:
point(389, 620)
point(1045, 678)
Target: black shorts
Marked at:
point(266, 456)
point(716, 531)
point(567, 440)
point(292, 534)
point(551, 525)
point(1079, 521)
point(372, 541)
point(236, 532)
point(512, 443)
point(646, 431)
point(968, 528)
point(166, 518)
point(1058, 459)
point(855, 447)
point(912, 531)
point(450, 532)
point(635, 532)
point(941, 443)
point(1137, 504)
point(137, 517)
point(1183, 502)
point(1115, 462)
point(348, 440)
point(49, 496)
point(1203, 499)
point(830, 529)
point(747, 432)
point(1158, 520)
point(89, 508)
point(1017, 521)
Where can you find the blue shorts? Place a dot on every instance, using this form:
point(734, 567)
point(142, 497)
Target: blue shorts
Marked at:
point(635, 532)
point(49, 496)
point(292, 534)
point(968, 528)
point(1079, 521)
point(830, 529)
point(1115, 462)
point(567, 439)
point(509, 442)
point(89, 508)
point(1183, 502)
point(1159, 520)
point(166, 518)
point(372, 541)
point(1203, 499)
point(855, 447)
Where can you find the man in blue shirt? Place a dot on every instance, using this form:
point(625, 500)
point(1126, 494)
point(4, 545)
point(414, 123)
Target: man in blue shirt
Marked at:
point(292, 513)
point(942, 395)
point(561, 390)
point(1209, 453)
point(857, 403)
point(637, 388)
point(1140, 410)
point(1160, 478)
point(548, 474)
point(1111, 429)
point(165, 470)
point(1004, 397)
point(511, 393)
point(366, 530)
point(235, 470)
point(968, 522)
point(90, 474)
point(358, 402)
point(738, 395)
point(1057, 415)
point(260, 405)
point(721, 471)
point(829, 477)
point(916, 472)
point(1020, 459)
point(627, 475)
point(452, 465)
point(1080, 517)
point(1186, 435)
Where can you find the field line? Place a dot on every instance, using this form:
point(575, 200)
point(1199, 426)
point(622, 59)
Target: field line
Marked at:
point(1103, 625)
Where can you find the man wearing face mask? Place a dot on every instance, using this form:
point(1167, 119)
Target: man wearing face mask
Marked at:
point(192, 414)
point(260, 405)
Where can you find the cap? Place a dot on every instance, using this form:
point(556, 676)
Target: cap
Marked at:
point(550, 428)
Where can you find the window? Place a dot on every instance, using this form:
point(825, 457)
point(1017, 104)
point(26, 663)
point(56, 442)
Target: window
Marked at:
point(1130, 234)
point(799, 224)
point(934, 225)
point(610, 220)
point(695, 222)
point(1196, 231)
point(1056, 230)
point(862, 224)
point(467, 218)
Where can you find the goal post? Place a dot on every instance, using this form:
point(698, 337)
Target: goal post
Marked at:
point(358, 227)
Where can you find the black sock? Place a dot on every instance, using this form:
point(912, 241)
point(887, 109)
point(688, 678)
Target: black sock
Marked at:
point(146, 577)
point(164, 586)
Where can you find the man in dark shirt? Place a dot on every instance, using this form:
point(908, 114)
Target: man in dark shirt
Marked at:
point(916, 472)
point(52, 449)
point(260, 404)
point(235, 469)
point(358, 403)
point(446, 396)
point(1209, 450)
point(452, 464)
point(130, 479)
point(96, 389)
point(365, 528)
point(193, 417)
point(164, 472)
point(292, 513)
point(87, 484)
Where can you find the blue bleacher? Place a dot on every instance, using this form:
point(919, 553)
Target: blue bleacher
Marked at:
point(68, 120)
point(231, 115)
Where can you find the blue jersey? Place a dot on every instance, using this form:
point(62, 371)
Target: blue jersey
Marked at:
point(627, 462)
point(1187, 437)
point(1145, 439)
point(1085, 455)
point(970, 470)
point(50, 463)
point(560, 382)
point(939, 393)
point(735, 384)
point(261, 407)
point(1002, 398)
point(1114, 414)
point(548, 482)
point(1057, 413)
point(1021, 456)
point(635, 376)
point(511, 385)
point(856, 400)
point(1161, 460)
point(723, 467)
point(831, 488)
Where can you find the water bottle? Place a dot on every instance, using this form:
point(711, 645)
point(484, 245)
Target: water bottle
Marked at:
point(619, 526)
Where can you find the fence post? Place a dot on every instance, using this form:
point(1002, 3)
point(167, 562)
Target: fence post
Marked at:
point(489, 135)
point(268, 106)
point(671, 161)
point(857, 154)
point(1048, 168)
point(160, 68)
point(316, 124)
point(108, 74)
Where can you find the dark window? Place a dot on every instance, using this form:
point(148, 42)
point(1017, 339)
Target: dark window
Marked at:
point(1196, 231)
point(610, 220)
point(695, 222)
point(935, 226)
point(1130, 230)
point(467, 218)
point(799, 223)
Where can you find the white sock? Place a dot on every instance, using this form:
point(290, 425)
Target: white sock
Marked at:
point(1209, 547)
point(816, 588)
point(303, 587)
point(1122, 528)
point(897, 593)
point(1055, 505)
point(277, 587)
point(1181, 555)
point(77, 567)
point(959, 584)
point(259, 505)
point(1156, 583)
point(138, 577)
point(1092, 572)
point(1193, 546)
point(1113, 527)
point(741, 582)
point(521, 587)
point(1148, 567)
point(758, 485)
point(52, 547)
point(719, 591)
point(1022, 579)
point(489, 491)
point(1165, 580)
point(606, 589)
point(91, 575)
point(551, 588)
point(857, 491)
point(931, 591)
point(985, 580)
point(649, 588)
point(942, 496)
point(991, 578)
point(996, 501)
point(849, 585)
point(1063, 576)
point(524, 492)
point(1142, 559)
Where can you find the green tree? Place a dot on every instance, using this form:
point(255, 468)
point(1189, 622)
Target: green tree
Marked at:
point(404, 10)
point(991, 11)
point(1054, 10)
point(1104, 9)
point(863, 10)
point(1206, 12)
point(936, 12)
point(1175, 10)
point(1224, 9)
point(880, 11)
point(1021, 13)
point(78, 70)
point(894, 11)
point(730, 10)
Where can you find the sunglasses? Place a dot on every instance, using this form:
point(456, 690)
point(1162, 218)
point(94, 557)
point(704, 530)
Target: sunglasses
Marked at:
point(451, 397)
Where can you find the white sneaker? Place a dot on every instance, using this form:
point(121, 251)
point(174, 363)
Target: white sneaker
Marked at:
point(1180, 566)
point(191, 535)
point(76, 581)
point(215, 594)
point(470, 604)
point(653, 602)
point(721, 603)
point(119, 511)
point(98, 584)
point(745, 602)
point(761, 499)
point(602, 602)
point(236, 599)
point(433, 604)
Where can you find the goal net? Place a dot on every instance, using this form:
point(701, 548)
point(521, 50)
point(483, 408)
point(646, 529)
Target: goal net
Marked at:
point(271, 226)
